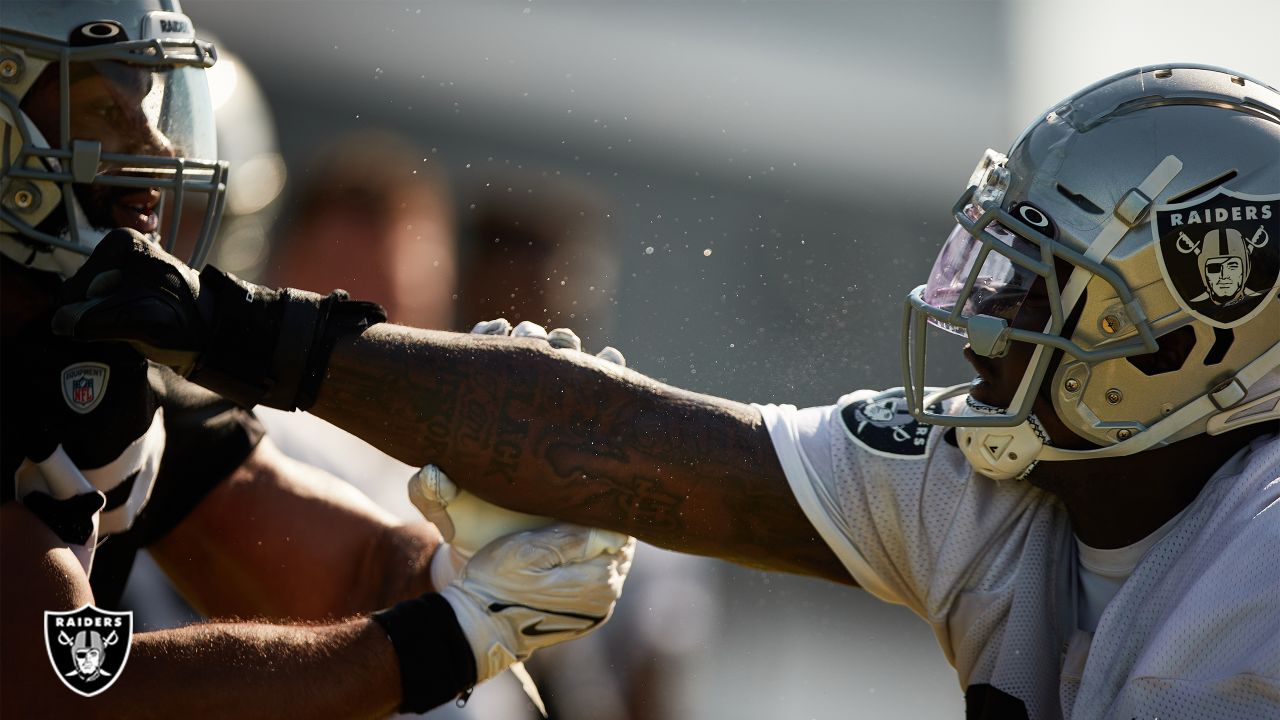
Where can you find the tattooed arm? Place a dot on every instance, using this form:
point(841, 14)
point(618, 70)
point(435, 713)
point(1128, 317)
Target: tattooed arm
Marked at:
point(564, 434)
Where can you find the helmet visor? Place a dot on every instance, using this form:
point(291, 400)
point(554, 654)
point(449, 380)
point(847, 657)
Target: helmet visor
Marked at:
point(999, 286)
point(158, 111)
point(177, 108)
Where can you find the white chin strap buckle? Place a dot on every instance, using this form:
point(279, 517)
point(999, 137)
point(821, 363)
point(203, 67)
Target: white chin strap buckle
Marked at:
point(1000, 453)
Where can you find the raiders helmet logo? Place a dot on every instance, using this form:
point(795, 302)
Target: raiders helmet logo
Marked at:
point(88, 647)
point(1220, 255)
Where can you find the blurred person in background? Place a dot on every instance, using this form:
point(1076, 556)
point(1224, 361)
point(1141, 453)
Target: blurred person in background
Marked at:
point(538, 249)
point(371, 215)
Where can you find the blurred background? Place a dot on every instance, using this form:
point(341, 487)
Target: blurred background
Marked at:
point(736, 195)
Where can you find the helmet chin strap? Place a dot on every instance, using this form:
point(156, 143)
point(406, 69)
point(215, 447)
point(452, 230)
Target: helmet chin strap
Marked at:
point(1001, 453)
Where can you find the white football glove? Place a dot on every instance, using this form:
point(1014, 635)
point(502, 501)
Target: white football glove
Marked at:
point(537, 588)
point(562, 338)
point(466, 522)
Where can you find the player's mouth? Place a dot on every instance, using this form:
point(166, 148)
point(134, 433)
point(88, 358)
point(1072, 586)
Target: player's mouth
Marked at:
point(136, 209)
point(984, 386)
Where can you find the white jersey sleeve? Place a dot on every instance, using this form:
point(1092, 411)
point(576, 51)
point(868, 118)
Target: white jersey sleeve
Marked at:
point(899, 505)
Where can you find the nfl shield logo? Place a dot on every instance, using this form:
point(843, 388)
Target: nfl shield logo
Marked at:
point(82, 391)
point(84, 385)
point(1220, 254)
point(88, 647)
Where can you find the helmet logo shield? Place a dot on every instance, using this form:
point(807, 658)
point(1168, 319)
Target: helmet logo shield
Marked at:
point(1220, 255)
point(88, 647)
point(84, 385)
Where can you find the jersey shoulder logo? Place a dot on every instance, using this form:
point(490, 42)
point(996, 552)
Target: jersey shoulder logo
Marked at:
point(84, 385)
point(88, 647)
point(883, 425)
point(1220, 254)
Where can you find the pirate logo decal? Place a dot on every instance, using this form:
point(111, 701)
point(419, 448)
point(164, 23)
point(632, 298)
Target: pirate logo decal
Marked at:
point(883, 425)
point(1220, 255)
point(84, 385)
point(88, 647)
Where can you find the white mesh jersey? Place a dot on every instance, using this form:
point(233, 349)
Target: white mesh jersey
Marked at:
point(1193, 633)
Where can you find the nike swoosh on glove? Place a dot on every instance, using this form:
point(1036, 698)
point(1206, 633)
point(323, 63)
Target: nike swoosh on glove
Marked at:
point(538, 588)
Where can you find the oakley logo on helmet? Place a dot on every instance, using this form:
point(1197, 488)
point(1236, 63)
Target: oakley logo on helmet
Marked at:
point(1035, 217)
point(1219, 255)
point(88, 647)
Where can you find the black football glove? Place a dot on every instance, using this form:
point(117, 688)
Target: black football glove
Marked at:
point(246, 342)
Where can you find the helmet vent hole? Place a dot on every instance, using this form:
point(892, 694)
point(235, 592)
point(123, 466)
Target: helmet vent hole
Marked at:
point(1203, 187)
point(1222, 339)
point(1080, 201)
point(1166, 73)
point(1174, 348)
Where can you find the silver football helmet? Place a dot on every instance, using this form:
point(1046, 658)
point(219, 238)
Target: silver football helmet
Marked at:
point(106, 122)
point(1143, 214)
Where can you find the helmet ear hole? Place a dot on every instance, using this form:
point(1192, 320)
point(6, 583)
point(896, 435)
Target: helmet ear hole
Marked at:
point(1174, 349)
point(1222, 340)
point(1079, 200)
